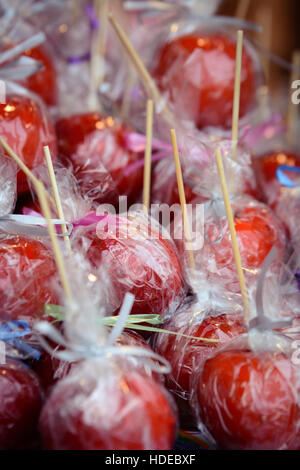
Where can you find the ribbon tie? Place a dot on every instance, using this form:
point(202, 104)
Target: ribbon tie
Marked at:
point(283, 179)
point(11, 331)
point(75, 352)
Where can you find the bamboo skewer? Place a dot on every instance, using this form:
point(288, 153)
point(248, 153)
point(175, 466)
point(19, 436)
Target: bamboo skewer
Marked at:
point(236, 251)
point(41, 192)
point(237, 93)
point(23, 167)
point(292, 108)
point(57, 199)
point(143, 73)
point(130, 82)
point(102, 38)
point(185, 217)
point(97, 64)
point(148, 155)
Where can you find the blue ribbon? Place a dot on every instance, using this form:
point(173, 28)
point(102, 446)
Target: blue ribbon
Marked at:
point(283, 179)
point(11, 331)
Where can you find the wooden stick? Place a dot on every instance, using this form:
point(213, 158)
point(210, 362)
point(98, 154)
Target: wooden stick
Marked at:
point(41, 192)
point(185, 218)
point(242, 9)
point(148, 155)
point(58, 204)
point(142, 71)
point(97, 65)
point(22, 166)
point(102, 38)
point(237, 93)
point(130, 82)
point(292, 108)
point(236, 251)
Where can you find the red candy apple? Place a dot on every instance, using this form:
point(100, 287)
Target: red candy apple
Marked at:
point(96, 147)
point(197, 70)
point(27, 278)
point(257, 229)
point(139, 259)
point(185, 354)
point(26, 126)
point(107, 406)
point(43, 83)
point(20, 403)
point(250, 400)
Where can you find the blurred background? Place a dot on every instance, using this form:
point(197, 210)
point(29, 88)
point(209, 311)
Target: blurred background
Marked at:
point(280, 22)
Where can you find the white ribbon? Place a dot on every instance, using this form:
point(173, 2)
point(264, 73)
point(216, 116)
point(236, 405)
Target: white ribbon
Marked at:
point(76, 352)
point(30, 226)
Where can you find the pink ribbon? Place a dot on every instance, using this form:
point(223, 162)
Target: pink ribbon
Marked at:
point(86, 221)
point(265, 130)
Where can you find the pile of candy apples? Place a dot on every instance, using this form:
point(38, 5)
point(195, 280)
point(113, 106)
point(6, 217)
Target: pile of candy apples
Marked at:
point(146, 343)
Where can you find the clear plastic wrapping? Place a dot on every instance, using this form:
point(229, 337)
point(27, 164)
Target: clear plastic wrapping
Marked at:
point(204, 51)
point(257, 228)
point(139, 257)
point(288, 211)
point(20, 404)
point(215, 316)
point(26, 126)
point(247, 394)
point(27, 278)
point(96, 147)
point(197, 155)
point(111, 399)
point(107, 405)
point(8, 184)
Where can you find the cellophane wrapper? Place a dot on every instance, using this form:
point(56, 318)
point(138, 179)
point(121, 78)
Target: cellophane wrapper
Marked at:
point(201, 181)
point(185, 96)
point(107, 404)
point(20, 406)
point(8, 183)
point(26, 136)
point(99, 159)
point(288, 211)
point(247, 394)
point(93, 407)
point(258, 230)
point(28, 278)
point(212, 314)
point(75, 205)
point(140, 257)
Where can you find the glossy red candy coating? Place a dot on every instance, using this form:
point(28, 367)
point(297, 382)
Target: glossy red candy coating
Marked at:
point(26, 126)
point(43, 83)
point(249, 400)
point(186, 355)
point(256, 235)
point(96, 147)
point(198, 71)
point(145, 264)
point(123, 410)
point(20, 403)
point(27, 278)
